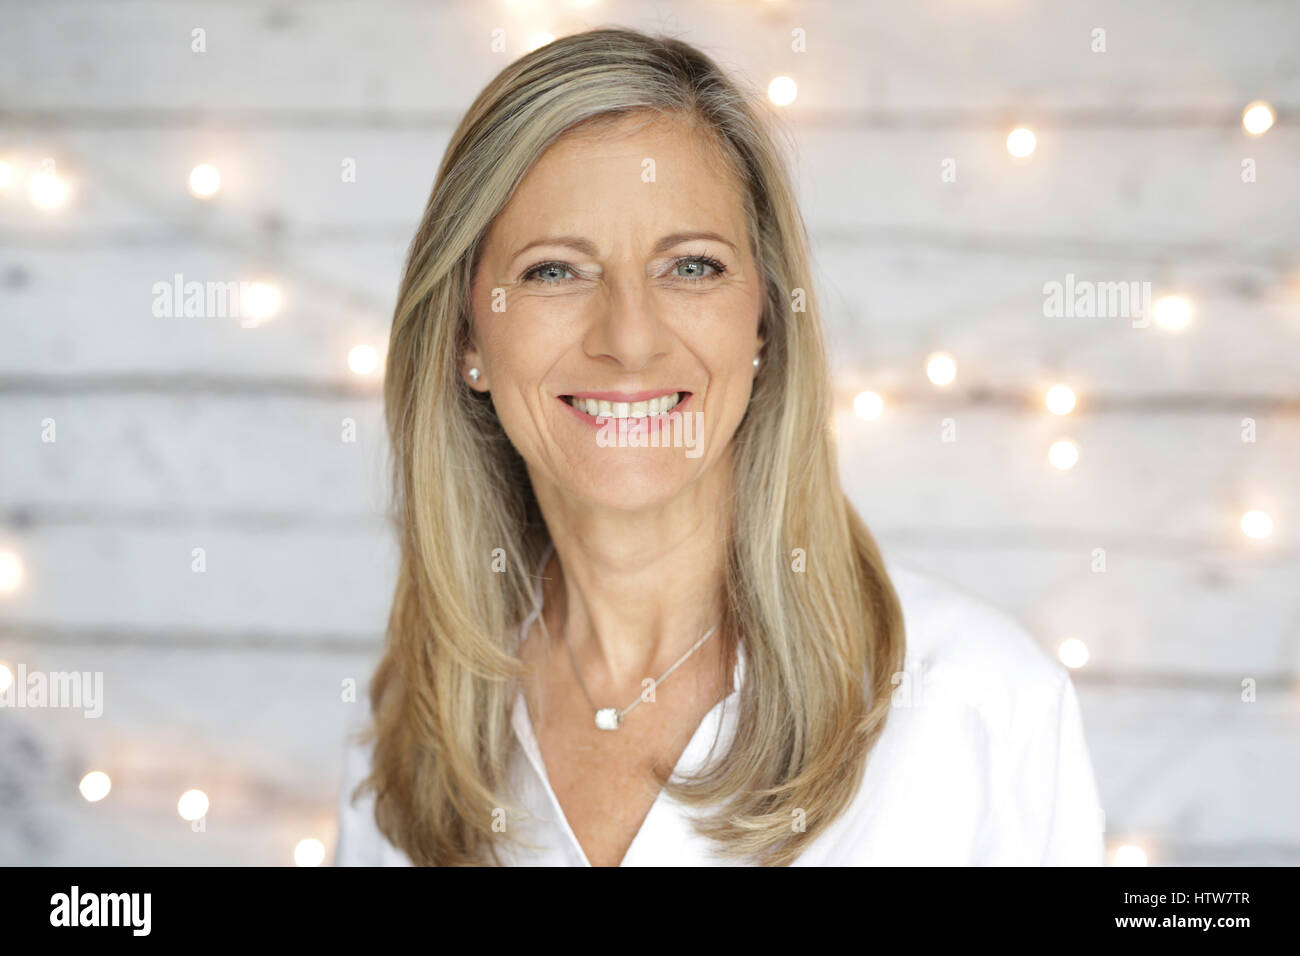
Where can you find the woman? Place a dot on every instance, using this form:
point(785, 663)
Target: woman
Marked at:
point(608, 400)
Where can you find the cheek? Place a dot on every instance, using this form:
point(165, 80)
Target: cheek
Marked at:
point(519, 353)
point(738, 319)
point(513, 346)
point(726, 339)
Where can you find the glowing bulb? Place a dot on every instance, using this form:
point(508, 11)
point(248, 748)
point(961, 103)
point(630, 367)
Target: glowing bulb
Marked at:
point(1257, 118)
point(868, 405)
point(260, 302)
point(95, 786)
point(941, 368)
point(48, 190)
point(1060, 400)
point(11, 572)
point(1063, 454)
point(309, 852)
point(1073, 652)
point(205, 180)
point(1021, 142)
point(1129, 855)
point(6, 677)
point(1173, 313)
point(193, 805)
point(1256, 524)
point(6, 174)
point(363, 359)
point(540, 40)
point(782, 91)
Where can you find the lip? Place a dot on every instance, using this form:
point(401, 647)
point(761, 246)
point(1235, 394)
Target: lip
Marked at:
point(594, 422)
point(629, 397)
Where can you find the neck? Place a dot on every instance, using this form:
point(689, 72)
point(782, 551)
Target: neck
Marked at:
point(632, 591)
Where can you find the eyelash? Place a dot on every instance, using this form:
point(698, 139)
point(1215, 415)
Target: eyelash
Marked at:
point(718, 269)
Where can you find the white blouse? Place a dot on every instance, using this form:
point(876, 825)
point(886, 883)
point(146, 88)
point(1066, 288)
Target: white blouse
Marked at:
point(982, 762)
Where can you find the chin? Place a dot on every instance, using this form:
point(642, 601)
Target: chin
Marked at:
point(632, 479)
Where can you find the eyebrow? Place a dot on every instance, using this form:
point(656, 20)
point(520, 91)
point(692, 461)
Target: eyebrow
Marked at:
point(588, 248)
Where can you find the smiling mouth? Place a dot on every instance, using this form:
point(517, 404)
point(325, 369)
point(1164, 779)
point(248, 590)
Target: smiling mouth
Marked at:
point(599, 408)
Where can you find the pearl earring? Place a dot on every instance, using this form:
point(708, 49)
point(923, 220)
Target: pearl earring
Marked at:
point(755, 361)
point(474, 374)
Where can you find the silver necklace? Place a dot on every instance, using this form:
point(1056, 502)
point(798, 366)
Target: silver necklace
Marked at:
point(611, 718)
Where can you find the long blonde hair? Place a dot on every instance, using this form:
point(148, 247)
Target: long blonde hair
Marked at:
point(821, 644)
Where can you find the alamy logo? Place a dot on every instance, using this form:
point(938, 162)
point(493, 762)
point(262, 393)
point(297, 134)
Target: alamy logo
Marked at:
point(56, 689)
point(250, 302)
point(1085, 299)
point(102, 909)
point(668, 430)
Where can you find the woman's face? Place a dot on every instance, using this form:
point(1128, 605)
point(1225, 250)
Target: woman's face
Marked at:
point(620, 272)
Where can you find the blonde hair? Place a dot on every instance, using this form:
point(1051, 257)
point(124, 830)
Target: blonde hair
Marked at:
point(821, 646)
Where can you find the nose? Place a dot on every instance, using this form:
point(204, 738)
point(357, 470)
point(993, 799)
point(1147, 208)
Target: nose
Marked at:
point(627, 327)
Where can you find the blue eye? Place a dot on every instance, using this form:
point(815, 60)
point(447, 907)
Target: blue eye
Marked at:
point(699, 262)
point(556, 273)
point(535, 274)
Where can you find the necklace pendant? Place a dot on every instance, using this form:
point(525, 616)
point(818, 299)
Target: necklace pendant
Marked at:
point(607, 718)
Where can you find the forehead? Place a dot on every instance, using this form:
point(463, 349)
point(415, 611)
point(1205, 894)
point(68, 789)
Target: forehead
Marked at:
point(641, 171)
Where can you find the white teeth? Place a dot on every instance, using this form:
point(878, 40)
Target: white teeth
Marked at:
point(653, 406)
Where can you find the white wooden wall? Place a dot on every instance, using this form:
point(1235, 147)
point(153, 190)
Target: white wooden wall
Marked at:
point(174, 434)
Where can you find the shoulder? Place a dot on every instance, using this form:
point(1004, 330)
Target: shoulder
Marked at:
point(359, 840)
point(971, 652)
point(984, 749)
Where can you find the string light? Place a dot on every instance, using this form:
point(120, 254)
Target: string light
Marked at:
point(1256, 524)
point(262, 301)
point(941, 368)
point(1063, 454)
point(1173, 313)
point(1021, 142)
point(193, 805)
point(309, 852)
point(47, 189)
point(1060, 400)
point(205, 180)
point(1257, 118)
point(11, 572)
point(782, 91)
point(1073, 653)
point(868, 405)
point(6, 174)
point(95, 785)
point(1130, 855)
point(363, 359)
